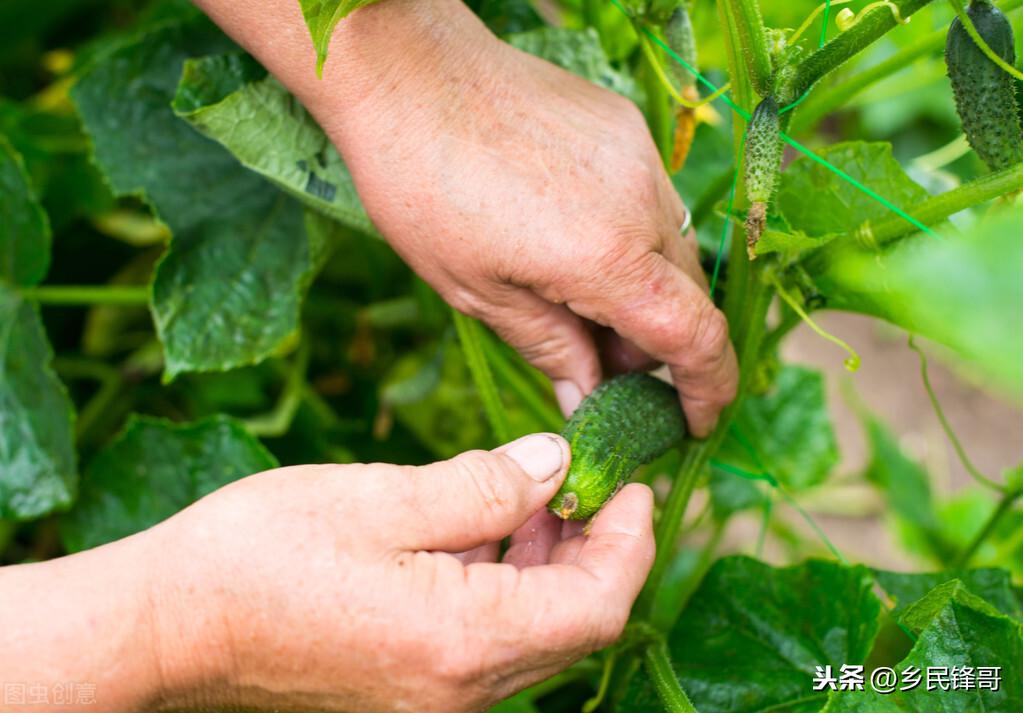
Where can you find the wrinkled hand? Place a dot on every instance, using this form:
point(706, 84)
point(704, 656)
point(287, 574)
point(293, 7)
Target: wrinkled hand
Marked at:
point(330, 587)
point(529, 198)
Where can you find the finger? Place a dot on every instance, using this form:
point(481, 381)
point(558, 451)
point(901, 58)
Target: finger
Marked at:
point(477, 497)
point(531, 544)
point(619, 356)
point(483, 553)
point(562, 609)
point(667, 315)
point(551, 338)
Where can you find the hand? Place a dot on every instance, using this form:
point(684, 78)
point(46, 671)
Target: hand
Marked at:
point(528, 197)
point(330, 588)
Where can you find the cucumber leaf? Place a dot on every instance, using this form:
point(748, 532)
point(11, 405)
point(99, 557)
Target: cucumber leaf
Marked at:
point(154, 469)
point(961, 291)
point(269, 132)
point(507, 16)
point(786, 431)
point(321, 17)
point(752, 636)
point(955, 629)
point(25, 230)
point(837, 205)
point(228, 291)
point(991, 584)
point(37, 455)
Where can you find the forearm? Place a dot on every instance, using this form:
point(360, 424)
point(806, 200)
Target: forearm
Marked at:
point(387, 47)
point(74, 632)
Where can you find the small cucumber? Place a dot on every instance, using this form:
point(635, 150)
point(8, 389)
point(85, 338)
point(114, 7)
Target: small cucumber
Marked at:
point(682, 41)
point(985, 94)
point(624, 423)
point(764, 151)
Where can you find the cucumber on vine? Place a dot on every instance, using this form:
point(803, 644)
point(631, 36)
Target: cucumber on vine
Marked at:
point(985, 94)
point(625, 423)
point(764, 149)
point(682, 40)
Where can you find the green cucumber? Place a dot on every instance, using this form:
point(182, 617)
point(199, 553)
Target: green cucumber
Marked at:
point(764, 149)
point(985, 94)
point(625, 423)
point(682, 41)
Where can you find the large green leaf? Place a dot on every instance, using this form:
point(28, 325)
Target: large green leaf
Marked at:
point(24, 229)
point(578, 51)
point(991, 584)
point(154, 469)
point(786, 430)
point(321, 17)
point(837, 206)
point(955, 629)
point(228, 291)
point(752, 636)
point(37, 454)
point(964, 292)
point(265, 127)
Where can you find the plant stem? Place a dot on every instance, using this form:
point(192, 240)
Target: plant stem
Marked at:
point(278, 420)
point(964, 458)
point(658, 104)
point(930, 212)
point(1005, 504)
point(545, 413)
point(867, 30)
point(471, 337)
point(88, 295)
point(749, 24)
point(658, 666)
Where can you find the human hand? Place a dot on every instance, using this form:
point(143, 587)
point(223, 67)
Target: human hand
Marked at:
point(528, 197)
point(331, 587)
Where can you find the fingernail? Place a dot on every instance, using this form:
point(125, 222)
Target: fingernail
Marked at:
point(569, 395)
point(540, 456)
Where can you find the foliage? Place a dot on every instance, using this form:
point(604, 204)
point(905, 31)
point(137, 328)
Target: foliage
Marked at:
point(191, 291)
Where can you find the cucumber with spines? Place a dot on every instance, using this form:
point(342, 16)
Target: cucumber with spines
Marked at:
point(625, 423)
point(985, 94)
point(682, 40)
point(764, 149)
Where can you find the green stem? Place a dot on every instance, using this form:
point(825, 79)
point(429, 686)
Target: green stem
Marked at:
point(867, 30)
point(471, 337)
point(749, 24)
point(834, 97)
point(88, 295)
point(658, 104)
point(932, 211)
point(543, 411)
point(110, 388)
point(669, 690)
point(1005, 504)
point(278, 420)
point(964, 458)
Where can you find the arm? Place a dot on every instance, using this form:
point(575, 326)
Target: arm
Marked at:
point(526, 196)
point(331, 588)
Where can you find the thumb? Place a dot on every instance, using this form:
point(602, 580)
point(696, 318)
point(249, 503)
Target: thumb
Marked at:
point(482, 496)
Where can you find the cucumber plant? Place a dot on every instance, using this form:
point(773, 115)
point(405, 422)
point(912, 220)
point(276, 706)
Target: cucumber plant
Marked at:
point(128, 134)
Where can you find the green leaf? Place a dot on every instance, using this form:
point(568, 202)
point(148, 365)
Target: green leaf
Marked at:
point(266, 129)
point(788, 428)
point(752, 636)
point(506, 16)
point(837, 206)
point(154, 469)
point(37, 454)
point(578, 51)
point(991, 584)
point(962, 291)
point(954, 628)
point(321, 17)
point(228, 291)
point(24, 231)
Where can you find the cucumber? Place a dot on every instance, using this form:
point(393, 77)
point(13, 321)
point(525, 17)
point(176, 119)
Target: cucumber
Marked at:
point(985, 94)
point(625, 423)
point(764, 150)
point(682, 41)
